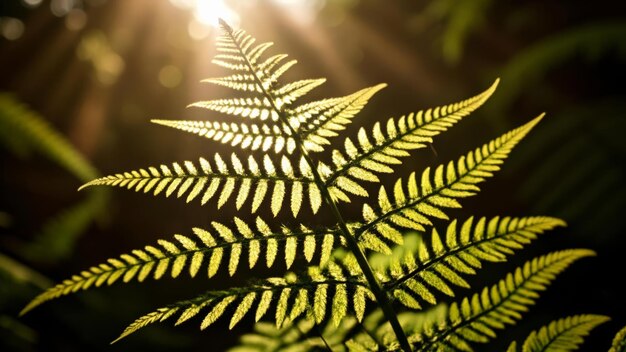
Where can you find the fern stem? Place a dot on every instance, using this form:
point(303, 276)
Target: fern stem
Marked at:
point(353, 246)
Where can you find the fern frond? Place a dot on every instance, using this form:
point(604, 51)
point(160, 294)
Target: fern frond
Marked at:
point(298, 336)
point(564, 334)
point(210, 247)
point(320, 120)
point(619, 341)
point(289, 92)
point(252, 136)
point(442, 263)
point(290, 297)
point(366, 158)
point(230, 180)
point(412, 208)
point(266, 337)
point(377, 332)
point(512, 347)
point(243, 107)
point(236, 51)
point(474, 319)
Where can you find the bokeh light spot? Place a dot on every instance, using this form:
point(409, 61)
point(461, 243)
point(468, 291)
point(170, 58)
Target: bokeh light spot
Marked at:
point(170, 76)
point(94, 47)
point(76, 20)
point(11, 28)
point(61, 8)
point(32, 3)
point(197, 30)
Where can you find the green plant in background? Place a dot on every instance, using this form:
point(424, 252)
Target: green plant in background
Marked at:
point(23, 131)
point(347, 294)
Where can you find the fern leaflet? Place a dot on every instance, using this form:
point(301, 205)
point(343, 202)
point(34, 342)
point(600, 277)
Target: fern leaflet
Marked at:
point(225, 179)
point(206, 247)
point(474, 319)
point(362, 160)
point(619, 341)
point(561, 335)
point(413, 208)
point(291, 296)
point(437, 266)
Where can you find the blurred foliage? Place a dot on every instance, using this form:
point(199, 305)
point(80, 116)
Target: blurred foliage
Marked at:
point(459, 17)
point(586, 148)
point(530, 66)
point(23, 132)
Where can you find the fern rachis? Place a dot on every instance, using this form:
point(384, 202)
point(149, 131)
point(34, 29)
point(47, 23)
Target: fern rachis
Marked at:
point(339, 280)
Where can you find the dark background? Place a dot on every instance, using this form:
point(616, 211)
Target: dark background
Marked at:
point(98, 71)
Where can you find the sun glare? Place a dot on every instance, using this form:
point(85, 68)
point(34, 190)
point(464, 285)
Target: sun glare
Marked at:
point(208, 12)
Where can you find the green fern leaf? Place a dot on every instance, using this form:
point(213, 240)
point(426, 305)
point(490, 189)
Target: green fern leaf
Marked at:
point(298, 336)
point(413, 208)
point(564, 334)
point(207, 247)
point(208, 181)
point(474, 319)
point(246, 136)
point(320, 120)
point(332, 297)
point(292, 299)
point(438, 266)
point(379, 333)
point(158, 315)
point(512, 347)
point(362, 160)
point(619, 342)
point(236, 51)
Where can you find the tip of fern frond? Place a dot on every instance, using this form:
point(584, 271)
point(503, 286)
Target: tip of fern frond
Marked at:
point(225, 25)
point(25, 310)
point(538, 118)
point(197, 104)
point(124, 333)
point(88, 184)
point(160, 122)
point(31, 305)
point(117, 339)
point(585, 252)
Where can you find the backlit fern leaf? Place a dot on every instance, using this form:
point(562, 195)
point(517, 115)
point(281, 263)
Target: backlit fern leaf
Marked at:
point(350, 335)
point(441, 264)
point(246, 136)
point(318, 121)
point(225, 181)
point(412, 208)
point(289, 298)
point(300, 336)
point(295, 337)
point(332, 296)
point(562, 335)
point(619, 342)
point(244, 107)
point(377, 332)
point(207, 247)
point(475, 319)
point(363, 159)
